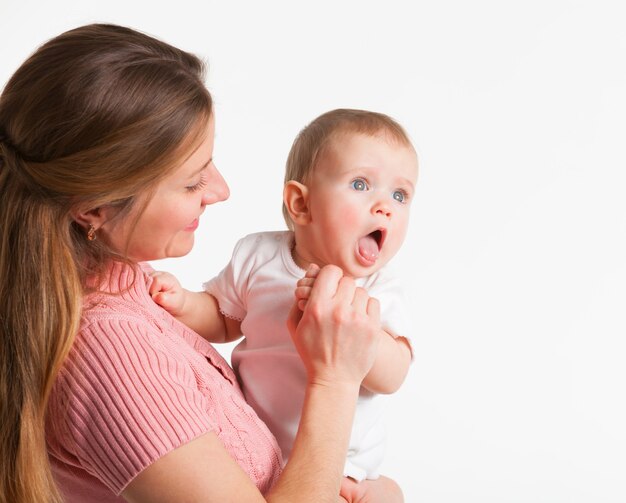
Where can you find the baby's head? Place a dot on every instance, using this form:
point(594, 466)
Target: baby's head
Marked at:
point(349, 183)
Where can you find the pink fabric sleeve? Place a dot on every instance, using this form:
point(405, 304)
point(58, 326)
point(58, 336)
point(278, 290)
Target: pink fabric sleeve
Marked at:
point(127, 401)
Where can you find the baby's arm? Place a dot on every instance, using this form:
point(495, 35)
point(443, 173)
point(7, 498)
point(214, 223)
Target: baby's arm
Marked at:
point(391, 364)
point(198, 310)
point(394, 352)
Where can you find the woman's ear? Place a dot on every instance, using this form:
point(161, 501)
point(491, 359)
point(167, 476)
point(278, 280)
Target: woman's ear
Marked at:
point(94, 218)
point(296, 199)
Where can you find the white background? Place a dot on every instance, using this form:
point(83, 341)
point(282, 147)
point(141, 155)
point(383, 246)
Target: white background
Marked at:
point(516, 254)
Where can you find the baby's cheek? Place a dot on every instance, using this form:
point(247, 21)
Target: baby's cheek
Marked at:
point(349, 218)
point(396, 238)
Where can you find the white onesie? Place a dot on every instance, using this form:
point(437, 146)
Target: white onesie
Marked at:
point(257, 287)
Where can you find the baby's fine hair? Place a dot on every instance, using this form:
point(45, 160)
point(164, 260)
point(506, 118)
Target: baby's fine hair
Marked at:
point(316, 136)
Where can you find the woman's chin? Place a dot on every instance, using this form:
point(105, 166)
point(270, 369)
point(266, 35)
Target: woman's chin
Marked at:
point(180, 248)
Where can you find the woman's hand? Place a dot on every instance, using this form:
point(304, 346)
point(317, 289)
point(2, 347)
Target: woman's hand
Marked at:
point(336, 333)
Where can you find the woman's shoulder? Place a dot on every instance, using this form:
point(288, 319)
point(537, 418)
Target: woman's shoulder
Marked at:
point(122, 385)
point(113, 338)
point(121, 350)
point(123, 295)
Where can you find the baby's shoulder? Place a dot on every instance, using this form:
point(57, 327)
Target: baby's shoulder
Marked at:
point(261, 246)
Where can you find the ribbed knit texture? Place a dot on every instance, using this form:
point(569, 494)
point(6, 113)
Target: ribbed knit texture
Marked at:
point(138, 384)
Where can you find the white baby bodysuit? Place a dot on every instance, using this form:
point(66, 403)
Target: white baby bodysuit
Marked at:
point(257, 287)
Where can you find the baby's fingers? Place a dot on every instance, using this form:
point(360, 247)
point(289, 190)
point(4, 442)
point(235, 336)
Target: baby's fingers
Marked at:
point(309, 278)
point(312, 271)
point(158, 283)
point(302, 295)
point(305, 286)
point(161, 298)
point(305, 282)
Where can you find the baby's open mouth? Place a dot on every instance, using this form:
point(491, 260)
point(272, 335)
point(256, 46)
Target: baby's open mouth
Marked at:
point(369, 246)
point(378, 236)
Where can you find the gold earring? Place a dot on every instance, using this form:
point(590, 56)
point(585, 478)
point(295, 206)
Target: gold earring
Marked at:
point(91, 233)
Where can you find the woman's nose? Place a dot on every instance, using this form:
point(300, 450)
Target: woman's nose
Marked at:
point(217, 189)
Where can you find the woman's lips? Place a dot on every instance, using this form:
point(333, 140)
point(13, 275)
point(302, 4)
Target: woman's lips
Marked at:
point(193, 225)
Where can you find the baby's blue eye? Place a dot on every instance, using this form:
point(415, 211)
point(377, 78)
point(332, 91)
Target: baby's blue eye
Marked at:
point(359, 184)
point(399, 196)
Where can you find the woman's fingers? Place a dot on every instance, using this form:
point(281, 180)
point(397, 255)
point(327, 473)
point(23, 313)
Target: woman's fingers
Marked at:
point(360, 300)
point(326, 284)
point(336, 331)
point(373, 310)
point(345, 290)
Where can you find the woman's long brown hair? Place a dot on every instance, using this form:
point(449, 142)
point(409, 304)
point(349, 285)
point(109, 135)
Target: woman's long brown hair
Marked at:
point(95, 117)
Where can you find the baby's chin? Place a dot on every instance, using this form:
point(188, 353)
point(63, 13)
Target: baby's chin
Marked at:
point(360, 271)
point(352, 267)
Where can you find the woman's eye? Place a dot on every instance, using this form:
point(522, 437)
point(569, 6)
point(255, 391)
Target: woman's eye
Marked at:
point(359, 184)
point(399, 196)
point(197, 186)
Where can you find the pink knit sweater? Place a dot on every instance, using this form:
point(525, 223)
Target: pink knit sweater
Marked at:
point(136, 385)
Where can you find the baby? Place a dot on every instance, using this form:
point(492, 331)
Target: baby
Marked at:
point(349, 184)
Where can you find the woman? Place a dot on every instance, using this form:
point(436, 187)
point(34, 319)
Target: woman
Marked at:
point(106, 139)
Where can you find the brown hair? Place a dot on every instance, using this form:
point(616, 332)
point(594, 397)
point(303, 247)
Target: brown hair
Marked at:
point(95, 117)
point(315, 137)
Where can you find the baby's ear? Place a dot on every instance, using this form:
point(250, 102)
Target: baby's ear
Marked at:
point(296, 199)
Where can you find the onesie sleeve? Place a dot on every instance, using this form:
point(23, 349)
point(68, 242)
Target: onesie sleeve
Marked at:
point(230, 285)
point(123, 400)
point(395, 314)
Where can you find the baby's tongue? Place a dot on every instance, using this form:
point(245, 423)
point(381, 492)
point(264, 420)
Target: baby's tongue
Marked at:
point(368, 247)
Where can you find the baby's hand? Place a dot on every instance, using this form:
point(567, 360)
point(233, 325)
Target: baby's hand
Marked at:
point(166, 291)
point(304, 285)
